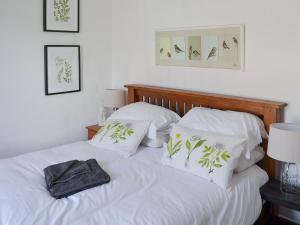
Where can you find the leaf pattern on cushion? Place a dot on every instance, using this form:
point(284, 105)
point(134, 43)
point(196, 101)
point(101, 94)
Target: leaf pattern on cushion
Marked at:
point(191, 145)
point(173, 148)
point(213, 156)
point(120, 131)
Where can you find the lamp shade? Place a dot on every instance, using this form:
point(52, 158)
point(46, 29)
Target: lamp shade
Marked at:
point(284, 142)
point(114, 98)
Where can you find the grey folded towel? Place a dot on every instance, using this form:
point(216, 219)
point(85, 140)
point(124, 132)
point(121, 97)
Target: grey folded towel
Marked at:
point(68, 178)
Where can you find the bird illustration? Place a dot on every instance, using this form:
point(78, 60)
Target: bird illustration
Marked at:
point(169, 54)
point(161, 50)
point(225, 46)
point(235, 40)
point(190, 52)
point(196, 53)
point(177, 49)
point(212, 53)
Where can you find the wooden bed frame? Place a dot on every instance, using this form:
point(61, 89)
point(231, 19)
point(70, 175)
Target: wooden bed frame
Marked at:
point(181, 101)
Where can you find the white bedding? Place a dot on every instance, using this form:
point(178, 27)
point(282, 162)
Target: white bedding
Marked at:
point(141, 192)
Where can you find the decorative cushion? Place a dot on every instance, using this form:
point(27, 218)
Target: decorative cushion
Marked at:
point(122, 136)
point(205, 154)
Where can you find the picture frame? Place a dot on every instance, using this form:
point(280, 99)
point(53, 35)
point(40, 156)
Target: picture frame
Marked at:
point(62, 69)
point(61, 16)
point(217, 47)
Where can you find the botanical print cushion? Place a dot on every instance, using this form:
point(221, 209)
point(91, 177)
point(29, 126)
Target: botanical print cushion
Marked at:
point(208, 155)
point(122, 136)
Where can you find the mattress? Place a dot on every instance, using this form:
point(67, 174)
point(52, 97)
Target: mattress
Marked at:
point(141, 192)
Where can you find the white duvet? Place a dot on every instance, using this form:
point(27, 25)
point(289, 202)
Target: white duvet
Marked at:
point(141, 192)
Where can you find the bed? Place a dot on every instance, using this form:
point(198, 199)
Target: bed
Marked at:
point(141, 191)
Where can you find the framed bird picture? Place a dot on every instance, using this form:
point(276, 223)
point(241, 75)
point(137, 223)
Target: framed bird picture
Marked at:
point(62, 69)
point(61, 16)
point(220, 47)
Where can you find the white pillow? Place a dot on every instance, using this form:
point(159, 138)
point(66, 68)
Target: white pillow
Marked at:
point(157, 142)
point(122, 136)
point(255, 156)
point(205, 154)
point(238, 124)
point(161, 137)
point(160, 117)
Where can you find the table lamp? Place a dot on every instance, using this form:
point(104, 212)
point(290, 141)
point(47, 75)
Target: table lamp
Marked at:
point(113, 99)
point(284, 146)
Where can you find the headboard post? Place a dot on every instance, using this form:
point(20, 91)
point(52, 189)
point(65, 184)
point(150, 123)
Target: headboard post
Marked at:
point(131, 95)
point(181, 101)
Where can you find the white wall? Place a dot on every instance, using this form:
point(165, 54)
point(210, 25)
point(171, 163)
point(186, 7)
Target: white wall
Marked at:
point(272, 47)
point(29, 120)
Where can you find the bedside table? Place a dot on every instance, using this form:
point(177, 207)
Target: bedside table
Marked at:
point(272, 194)
point(92, 130)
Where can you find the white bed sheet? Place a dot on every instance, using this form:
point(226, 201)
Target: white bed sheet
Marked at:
point(141, 192)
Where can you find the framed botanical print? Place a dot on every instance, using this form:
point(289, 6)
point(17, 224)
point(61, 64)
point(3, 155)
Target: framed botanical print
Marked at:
point(61, 16)
point(62, 69)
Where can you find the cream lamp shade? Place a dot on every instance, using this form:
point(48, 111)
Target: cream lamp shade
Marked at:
point(284, 142)
point(114, 98)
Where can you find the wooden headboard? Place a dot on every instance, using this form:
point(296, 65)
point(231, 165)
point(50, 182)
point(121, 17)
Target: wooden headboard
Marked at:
point(181, 101)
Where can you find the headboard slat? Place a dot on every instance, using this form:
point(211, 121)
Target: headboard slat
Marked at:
point(181, 101)
point(165, 102)
point(188, 106)
point(173, 105)
point(181, 108)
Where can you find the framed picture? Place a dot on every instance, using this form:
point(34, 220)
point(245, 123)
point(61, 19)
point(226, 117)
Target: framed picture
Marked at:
point(219, 47)
point(62, 69)
point(61, 16)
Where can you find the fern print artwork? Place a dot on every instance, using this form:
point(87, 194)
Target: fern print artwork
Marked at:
point(174, 146)
point(214, 157)
point(119, 131)
point(62, 10)
point(64, 70)
point(68, 72)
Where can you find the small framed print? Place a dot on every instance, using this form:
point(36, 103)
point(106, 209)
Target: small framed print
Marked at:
point(61, 16)
point(62, 69)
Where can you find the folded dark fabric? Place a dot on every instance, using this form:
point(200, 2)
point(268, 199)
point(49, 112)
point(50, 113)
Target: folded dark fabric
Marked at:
point(68, 178)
